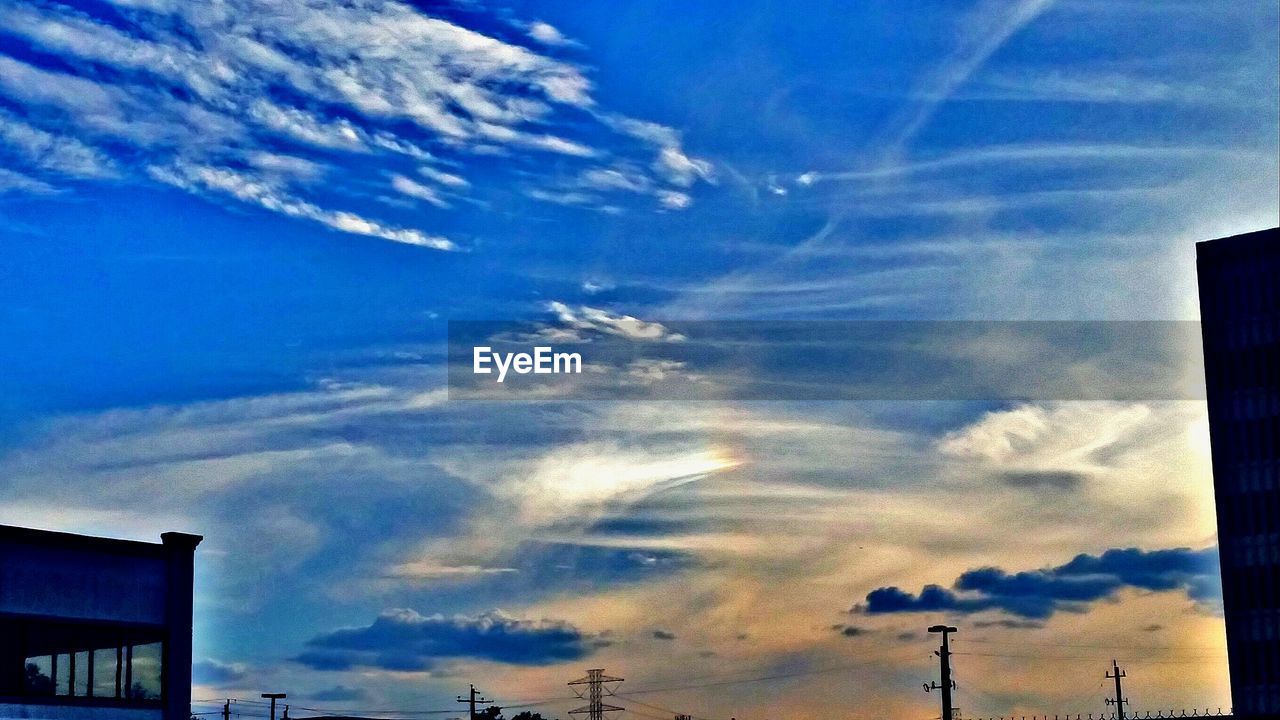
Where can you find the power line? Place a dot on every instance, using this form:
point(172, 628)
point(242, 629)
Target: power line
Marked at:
point(659, 707)
point(1153, 661)
point(1091, 646)
point(762, 678)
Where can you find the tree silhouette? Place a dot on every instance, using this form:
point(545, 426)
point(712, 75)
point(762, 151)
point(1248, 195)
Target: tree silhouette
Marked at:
point(526, 715)
point(37, 682)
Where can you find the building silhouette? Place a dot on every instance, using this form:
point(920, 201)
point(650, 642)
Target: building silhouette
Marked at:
point(95, 628)
point(1240, 319)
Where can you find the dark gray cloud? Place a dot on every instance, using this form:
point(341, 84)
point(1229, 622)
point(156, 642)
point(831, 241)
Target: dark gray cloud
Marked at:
point(1038, 594)
point(214, 672)
point(663, 635)
point(339, 693)
point(1043, 479)
point(850, 630)
point(406, 641)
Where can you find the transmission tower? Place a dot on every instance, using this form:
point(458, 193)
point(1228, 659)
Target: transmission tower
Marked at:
point(597, 688)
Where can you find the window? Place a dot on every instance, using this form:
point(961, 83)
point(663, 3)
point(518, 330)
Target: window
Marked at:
point(146, 672)
point(67, 660)
point(105, 681)
point(38, 676)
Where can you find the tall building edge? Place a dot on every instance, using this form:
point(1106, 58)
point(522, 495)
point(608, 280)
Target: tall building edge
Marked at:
point(1239, 284)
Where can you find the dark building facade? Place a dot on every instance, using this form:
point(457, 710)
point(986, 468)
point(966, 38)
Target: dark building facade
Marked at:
point(93, 628)
point(1240, 319)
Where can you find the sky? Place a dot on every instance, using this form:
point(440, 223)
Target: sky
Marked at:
point(234, 233)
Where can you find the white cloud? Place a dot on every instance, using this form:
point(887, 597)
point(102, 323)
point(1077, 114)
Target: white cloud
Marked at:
point(304, 127)
point(256, 191)
point(588, 318)
point(405, 186)
point(376, 80)
point(442, 177)
point(680, 169)
point(674, 200)
point(422, 570)
point(53, 153)
point(1105, 87)
point(546, 33)
point(17, 182)
point(557, 145)
point(615, 179)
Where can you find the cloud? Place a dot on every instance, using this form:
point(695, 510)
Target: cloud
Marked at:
point(1038, 594)
point(405, 186)
point(1008, 156)
point(674, 200)
point(216, 673)
point(406, 641)
point(1043, 479)
point(432, 571)
point(1007, 624)
point(663, 635)
point(547, 34)
point(1050, 85)
point(136, 94)
point(442, 177)
point(267, 194)
point(680, 169)
point(615, 179)
point(56, 154)
point(987, 28)
point(585, 318)
point(11, 181)
point(592, 186)
point(339, 693)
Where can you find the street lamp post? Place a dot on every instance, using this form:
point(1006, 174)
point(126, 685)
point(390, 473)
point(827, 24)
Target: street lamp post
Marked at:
point(273, 697)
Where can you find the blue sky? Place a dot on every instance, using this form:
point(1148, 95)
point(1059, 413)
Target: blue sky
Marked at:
point(234, 233)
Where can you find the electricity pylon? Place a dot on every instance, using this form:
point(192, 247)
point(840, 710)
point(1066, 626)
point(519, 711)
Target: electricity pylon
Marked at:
point(595, 692)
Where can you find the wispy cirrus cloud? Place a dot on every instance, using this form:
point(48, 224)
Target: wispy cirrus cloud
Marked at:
point(187, 93)
point(985, 30)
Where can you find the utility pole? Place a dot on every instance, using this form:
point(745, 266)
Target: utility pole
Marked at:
point(273, 697)
point(1115, 674)
point(226, 710)
point(595, 693)
point(472, 701)
point(944, 683)
point(286, 713)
